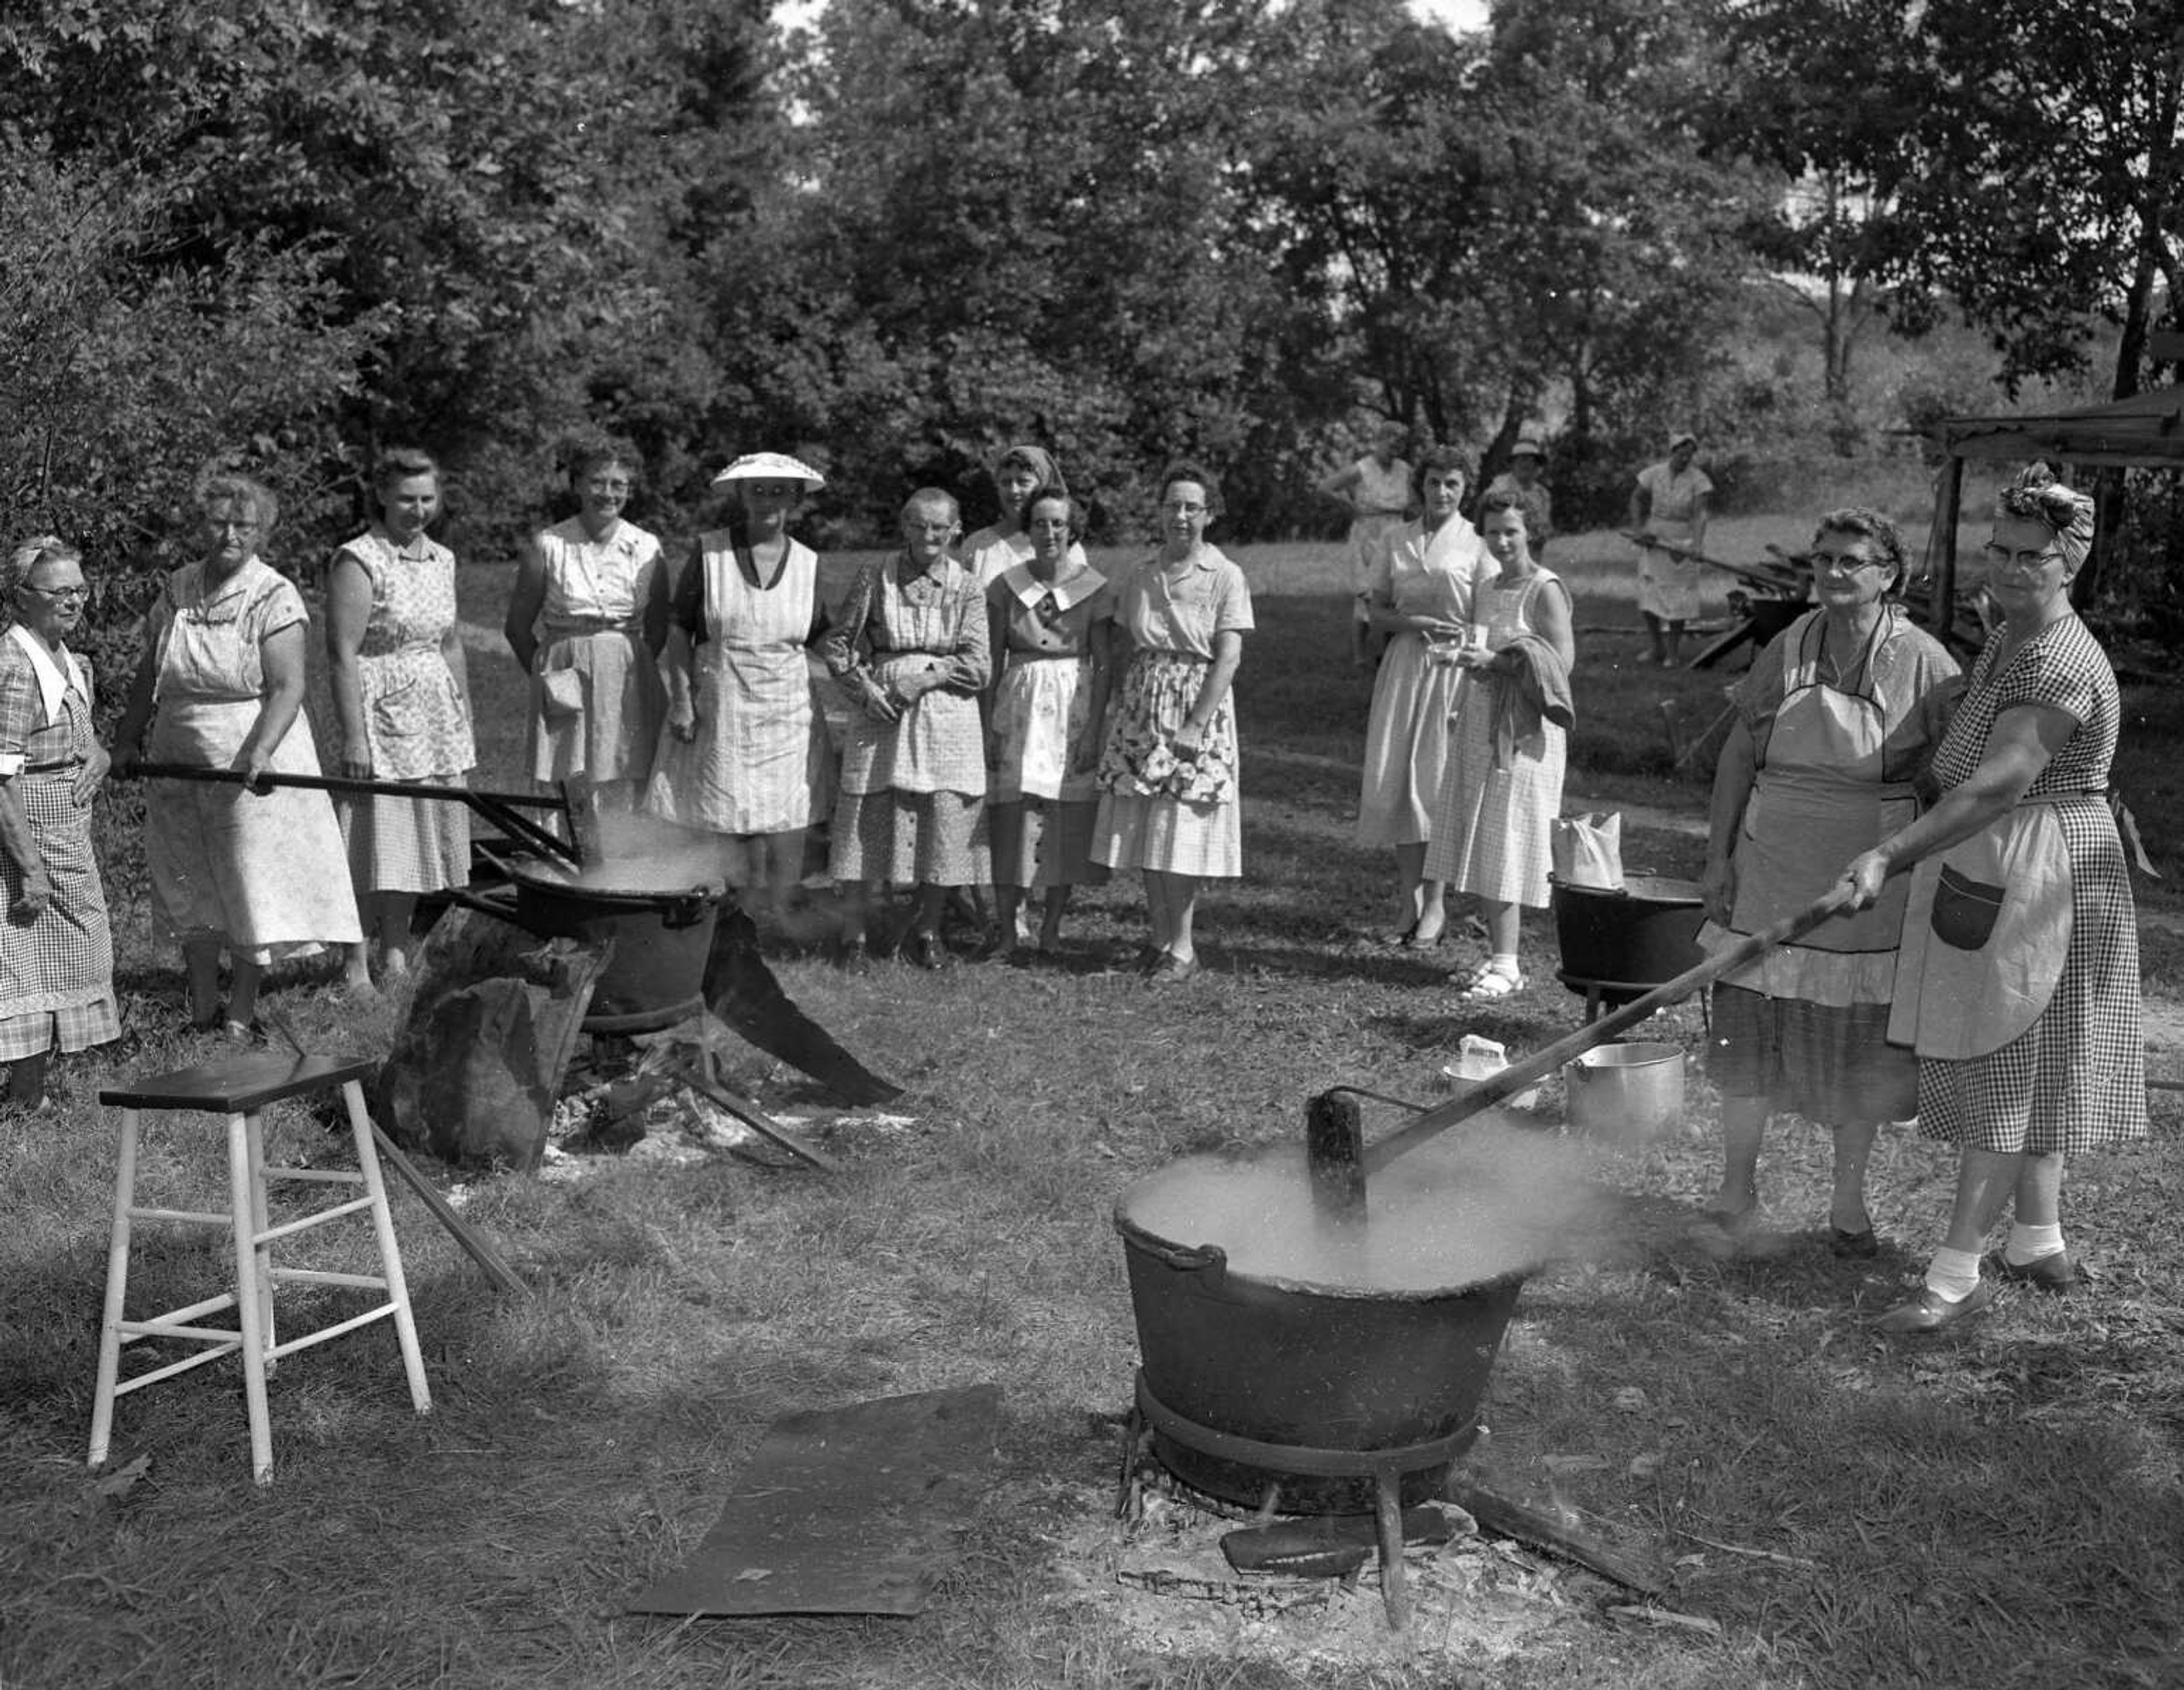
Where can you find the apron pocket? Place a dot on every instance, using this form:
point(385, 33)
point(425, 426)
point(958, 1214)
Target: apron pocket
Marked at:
point(1964, 910)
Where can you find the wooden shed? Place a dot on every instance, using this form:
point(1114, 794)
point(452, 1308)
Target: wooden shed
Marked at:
point(2143, 431)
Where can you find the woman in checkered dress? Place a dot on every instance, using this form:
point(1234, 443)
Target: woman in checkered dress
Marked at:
point(401, 694)
point(911, 649)
point(2018, 981)
point(1512, 742)
point(56, 949)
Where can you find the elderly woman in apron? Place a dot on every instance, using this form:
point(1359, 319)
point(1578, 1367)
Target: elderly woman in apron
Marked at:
point(1668, 521)
point(1835, 722)
point(741, 758)
point(56, 947)
point(255, 874)
point(2018, 984)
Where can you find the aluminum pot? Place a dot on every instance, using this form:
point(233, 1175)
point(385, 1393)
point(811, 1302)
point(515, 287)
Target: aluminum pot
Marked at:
point(1625, 1092)
point(1314, 1367)
point(655, 976)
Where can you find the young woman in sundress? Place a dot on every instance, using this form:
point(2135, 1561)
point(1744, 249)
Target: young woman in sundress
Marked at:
point(587, 622)
point(401, 698)
point(1169, 803)
point(1050, 619)
point(1505, 782)
point(741, 754)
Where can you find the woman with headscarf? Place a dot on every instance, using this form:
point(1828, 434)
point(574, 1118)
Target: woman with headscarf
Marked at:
point(1170, 804)
point(56, 948)
point(587, 621)
point(401, 693)
point(2018, 984)
point(1420, 597)
point(740, 755)
point(1004, 543)
point(1052, 620)
point(254, 874)
point(1836, 721)
point(1668, 509)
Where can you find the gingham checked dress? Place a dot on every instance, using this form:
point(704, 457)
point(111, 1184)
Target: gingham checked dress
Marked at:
point(56, 973)
point(415, 725)
point(2076, 1077)
point(1492, 836)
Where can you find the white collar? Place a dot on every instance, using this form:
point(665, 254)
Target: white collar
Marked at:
point(52, 684)
point(1070, 590)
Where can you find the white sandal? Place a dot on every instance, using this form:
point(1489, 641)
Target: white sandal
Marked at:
point(1488, 982)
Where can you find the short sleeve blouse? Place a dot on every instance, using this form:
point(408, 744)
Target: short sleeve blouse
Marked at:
point(253, 604)
point(1183, 616)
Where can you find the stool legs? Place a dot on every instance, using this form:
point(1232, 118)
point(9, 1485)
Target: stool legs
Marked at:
point(390, 1254)
point(117, 1288)
point(252, 1301)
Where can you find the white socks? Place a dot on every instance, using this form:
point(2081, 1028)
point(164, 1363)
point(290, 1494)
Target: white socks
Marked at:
point(2028, 1244)
point(1953, 1274)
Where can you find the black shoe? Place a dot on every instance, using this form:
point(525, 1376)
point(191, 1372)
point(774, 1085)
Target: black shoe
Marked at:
point(927, 951)
point(1861, 1247)
point(2054, 1272)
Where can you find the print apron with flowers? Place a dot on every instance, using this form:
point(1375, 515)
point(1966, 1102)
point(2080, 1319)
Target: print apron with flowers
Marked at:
point(1812, 810)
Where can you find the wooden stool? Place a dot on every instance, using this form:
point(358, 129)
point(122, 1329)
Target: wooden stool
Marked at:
point(240, 1088)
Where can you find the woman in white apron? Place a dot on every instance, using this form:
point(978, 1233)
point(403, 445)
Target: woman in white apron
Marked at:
point(2019, 981)
point(1834, 723)
point(1668, 509)
point(1377, 489)
point(741, 756)
point(256, 875)
point(1421, 600)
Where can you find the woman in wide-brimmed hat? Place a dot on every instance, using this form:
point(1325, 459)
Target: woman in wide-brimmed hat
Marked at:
point(740, 754)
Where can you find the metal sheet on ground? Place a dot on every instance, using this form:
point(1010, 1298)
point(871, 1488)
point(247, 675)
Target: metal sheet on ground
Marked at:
point(842, 1510)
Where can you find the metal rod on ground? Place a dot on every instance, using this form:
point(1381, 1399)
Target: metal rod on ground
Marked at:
point(1517, 1076)
point(748, 1113)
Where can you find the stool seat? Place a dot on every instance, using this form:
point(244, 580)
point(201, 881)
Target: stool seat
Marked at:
point(239, 1088)
point(240, 1085)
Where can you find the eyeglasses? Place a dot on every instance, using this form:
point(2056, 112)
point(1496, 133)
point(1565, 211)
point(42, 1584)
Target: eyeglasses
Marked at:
point(61, 594)
point(2000, 557)
point(941, 528)
point(606, 486)
point(1847, 562)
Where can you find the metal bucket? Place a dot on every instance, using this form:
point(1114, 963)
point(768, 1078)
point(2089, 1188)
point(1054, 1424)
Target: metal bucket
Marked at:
point(1630, 1092)
point(1642, 935)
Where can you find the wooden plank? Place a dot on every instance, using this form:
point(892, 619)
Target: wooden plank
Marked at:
point(849, 1510)
point(1543, 1531)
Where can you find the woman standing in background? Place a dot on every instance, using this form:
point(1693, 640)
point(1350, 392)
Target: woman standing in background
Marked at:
point(1170, 803)
point(1669, 508)
point(587, 622)
point(401, 694)
point(1377, 489)
point(740, 756)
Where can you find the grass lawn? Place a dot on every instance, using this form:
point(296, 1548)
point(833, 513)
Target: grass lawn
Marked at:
point(2005, 1506)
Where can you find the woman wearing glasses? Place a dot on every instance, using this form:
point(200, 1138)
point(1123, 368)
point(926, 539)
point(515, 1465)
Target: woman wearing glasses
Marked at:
point(1169, 803)
point(1836, 723)
point(910, 650)
point(56, 949)
point(587, 622)
point(256, 875)
point(2019, 983)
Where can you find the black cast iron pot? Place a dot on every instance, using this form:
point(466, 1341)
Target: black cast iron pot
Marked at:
point(1312, 1366)
point(656, 976)
point(1643, 936)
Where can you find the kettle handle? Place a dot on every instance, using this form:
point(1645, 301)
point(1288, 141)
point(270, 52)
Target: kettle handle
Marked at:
point(1184, 1258)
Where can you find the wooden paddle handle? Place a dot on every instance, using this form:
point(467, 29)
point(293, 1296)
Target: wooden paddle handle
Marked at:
point(1517, 1076)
